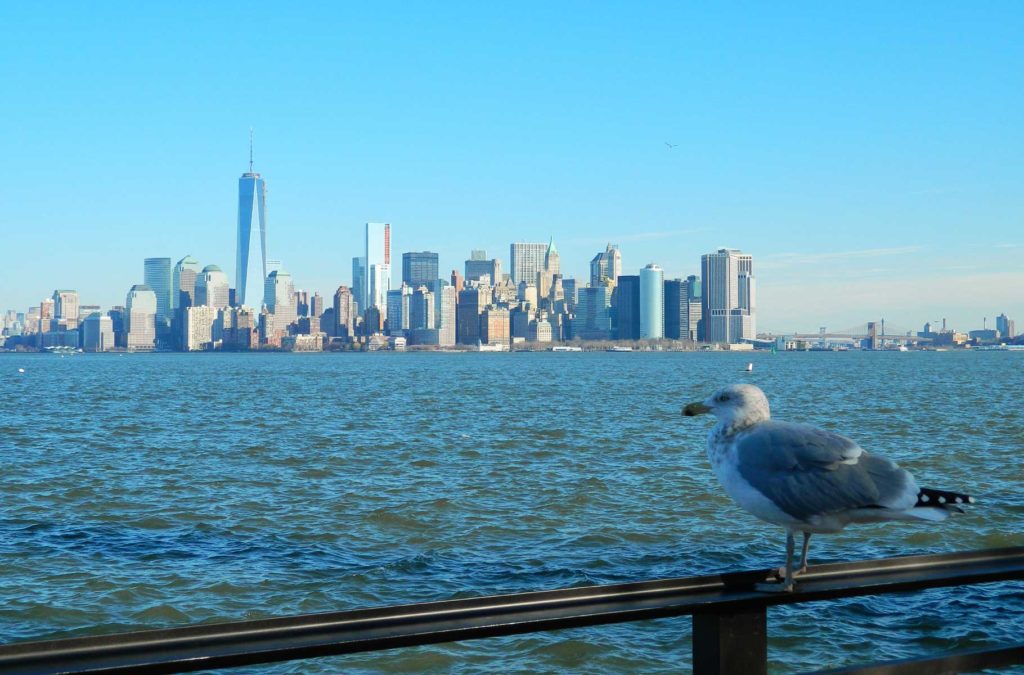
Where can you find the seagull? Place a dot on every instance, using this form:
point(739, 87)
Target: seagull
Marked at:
point(671, 145)
point(806, 479)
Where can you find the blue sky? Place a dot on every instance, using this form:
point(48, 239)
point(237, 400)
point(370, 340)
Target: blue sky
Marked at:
point(869, 155)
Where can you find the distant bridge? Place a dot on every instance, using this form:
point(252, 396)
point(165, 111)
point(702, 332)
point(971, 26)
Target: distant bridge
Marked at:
point(876, 331)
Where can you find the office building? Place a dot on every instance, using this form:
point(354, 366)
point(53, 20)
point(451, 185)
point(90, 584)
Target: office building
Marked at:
point(157, 275)
point(183, 282)
point(527, 261)
point(471, 304)
point(280, 292)
point(316, 305)
point(398, 301)
point(212, 288)
point(378, 266)
point(592, 320)
point(1005, 326)
point(446, 315)
point(251, 251)
point(65, 309)
point(478, 267)
point(97, 333)
point(626, 303)
point(652, 303)
point(683, 308)
point(495, 326)
point(728, 297)
point(419, 269)
point(140, 314)
point(359, 282)
point(344, 313)
point(606, 267)
point(552, 268)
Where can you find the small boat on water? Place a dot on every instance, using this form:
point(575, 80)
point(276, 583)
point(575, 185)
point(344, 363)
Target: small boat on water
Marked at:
point(566, 348)
point(619, 349)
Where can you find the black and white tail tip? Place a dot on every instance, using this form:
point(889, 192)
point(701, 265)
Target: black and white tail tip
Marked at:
point(942, 499)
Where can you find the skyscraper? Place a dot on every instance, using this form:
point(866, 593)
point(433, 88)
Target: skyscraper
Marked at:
point(98, 333)
point(183, 282)
point(478, 265)
point(419, 269)
point(682, 308)
point(527, 261)
point(251, 253)
point(592, 320)
point(652, 303)
point(378, 266)
point(140, 310)
point(627, 308)
point(344, 313)
point(728, 296)
point(157, 275)
point(280, 292)
point(212, 288)
point(65, 308)
point(1004, 325)
point(606, 267)
point(359, 282)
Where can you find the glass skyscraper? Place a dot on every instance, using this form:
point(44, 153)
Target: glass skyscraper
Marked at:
point(652, 303)
point(157, 275)
point(378, 266)
point(251, 257)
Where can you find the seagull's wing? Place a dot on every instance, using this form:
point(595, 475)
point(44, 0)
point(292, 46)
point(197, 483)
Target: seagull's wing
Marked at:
point(808, 471)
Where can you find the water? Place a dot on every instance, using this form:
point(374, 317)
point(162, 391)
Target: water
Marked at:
point(144, 491)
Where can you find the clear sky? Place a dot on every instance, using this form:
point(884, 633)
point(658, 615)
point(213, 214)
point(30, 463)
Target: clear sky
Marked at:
point(869, 155)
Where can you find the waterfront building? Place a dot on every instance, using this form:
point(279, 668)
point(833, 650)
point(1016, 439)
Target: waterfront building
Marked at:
point(1005, 326)
point(592, 320)
point(203, 327)
point(157, 275)
point(212, 288)
point(539, 329)
point(652, 303)
point(359, 282)
point(626, 303)
point(97, 333)
point(373, 321)
point(495, 326)
point(280, 294)
point(728, 298)
point(419, 269)
point(682, 308)
point(239, 328)
point(527, 261)
point(606, 267)
point(251, 252)
point(378, 265)
point(140, 312)
point(344, 313)
point(303, 343)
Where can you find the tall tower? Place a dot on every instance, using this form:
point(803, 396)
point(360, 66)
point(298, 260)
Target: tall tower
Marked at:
point(378, 266)
point(157, 275)
point(251, 254)
point(728, 296)
point(652, 303)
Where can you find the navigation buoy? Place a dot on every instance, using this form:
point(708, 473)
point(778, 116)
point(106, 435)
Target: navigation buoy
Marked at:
point(21, 370)
point(750, 367)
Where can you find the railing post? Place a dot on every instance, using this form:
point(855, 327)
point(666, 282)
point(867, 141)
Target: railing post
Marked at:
point(730, 642)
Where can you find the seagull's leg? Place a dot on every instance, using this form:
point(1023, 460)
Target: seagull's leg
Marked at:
point(786, 573)
point(803, 553)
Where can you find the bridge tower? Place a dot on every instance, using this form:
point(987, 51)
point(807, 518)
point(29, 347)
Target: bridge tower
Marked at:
point(872, 339)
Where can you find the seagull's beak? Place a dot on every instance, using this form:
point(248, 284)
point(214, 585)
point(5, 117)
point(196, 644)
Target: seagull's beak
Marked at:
point(694, 409)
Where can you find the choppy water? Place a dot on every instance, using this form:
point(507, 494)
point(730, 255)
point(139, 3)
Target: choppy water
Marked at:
point(153, 490)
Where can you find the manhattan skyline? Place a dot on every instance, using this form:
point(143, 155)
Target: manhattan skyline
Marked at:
point(873, 173)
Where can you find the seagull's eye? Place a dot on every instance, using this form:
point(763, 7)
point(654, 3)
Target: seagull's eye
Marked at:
point(723, 398)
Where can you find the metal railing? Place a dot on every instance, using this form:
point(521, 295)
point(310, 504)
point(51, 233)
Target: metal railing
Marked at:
point(729, 621)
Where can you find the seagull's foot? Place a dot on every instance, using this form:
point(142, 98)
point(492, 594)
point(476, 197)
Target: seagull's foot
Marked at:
point(780, 572)
point(774, 587)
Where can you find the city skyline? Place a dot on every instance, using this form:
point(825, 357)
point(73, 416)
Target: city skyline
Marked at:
point(873, 173)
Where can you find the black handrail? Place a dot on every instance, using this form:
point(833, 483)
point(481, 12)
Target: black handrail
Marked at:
point(729, 634)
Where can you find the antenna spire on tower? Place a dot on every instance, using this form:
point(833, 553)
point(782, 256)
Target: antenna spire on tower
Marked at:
point(250, 149)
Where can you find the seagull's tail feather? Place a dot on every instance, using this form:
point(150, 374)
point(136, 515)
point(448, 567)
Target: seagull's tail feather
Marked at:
point(942, 500)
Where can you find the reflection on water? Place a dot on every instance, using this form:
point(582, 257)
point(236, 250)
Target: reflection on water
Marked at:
point(155, 490)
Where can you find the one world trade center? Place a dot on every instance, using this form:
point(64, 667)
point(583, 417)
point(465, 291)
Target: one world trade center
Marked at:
point(251, 259)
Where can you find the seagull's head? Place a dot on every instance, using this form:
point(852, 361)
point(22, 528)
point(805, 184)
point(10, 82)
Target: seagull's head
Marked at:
point(737, 405)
